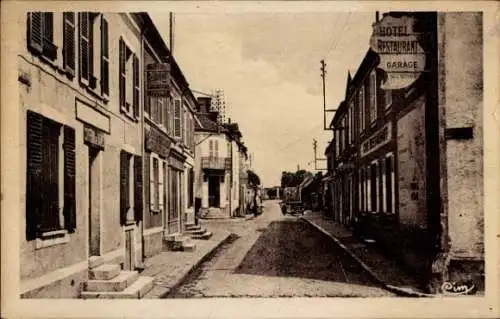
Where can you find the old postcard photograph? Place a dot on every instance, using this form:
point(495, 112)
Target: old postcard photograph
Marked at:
point(250, 159)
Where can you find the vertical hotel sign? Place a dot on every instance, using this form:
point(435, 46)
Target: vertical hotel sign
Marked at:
point(401, 56)
point(158, 79)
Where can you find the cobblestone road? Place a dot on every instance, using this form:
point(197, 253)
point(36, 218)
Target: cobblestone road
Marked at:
point(277, 256)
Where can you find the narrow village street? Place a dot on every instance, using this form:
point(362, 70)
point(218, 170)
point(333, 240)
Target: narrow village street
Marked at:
point(277, 256)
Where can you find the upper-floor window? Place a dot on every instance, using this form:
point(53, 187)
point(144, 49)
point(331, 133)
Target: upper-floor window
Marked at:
point(41, 34)
point(373, 97)
point(93, 57)
point(361, 105)
point(177, 118)
point(351, 125)
point(388, 98)
point(129, 80)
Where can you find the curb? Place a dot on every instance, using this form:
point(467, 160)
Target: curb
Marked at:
point(397, 290)
point(195, 266)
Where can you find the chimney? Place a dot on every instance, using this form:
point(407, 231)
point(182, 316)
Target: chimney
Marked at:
point(376, 16)
point(229, 120)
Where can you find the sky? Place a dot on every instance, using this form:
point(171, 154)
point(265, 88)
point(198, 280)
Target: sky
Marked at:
point(268, 65)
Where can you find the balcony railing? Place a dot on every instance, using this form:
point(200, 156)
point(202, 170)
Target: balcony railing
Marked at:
point(215, 162)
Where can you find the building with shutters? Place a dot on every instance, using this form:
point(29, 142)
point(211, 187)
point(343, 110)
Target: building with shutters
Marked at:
point(217, 171)
point(168, 142)
point(405, 165)
point(80, 105)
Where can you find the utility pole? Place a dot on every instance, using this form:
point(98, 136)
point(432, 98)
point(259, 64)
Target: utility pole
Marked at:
point(315, 146)
point(323, 77)
point(171, 40)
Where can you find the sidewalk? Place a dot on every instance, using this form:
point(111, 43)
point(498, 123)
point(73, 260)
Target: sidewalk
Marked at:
point(170, 268)
point(387, 272)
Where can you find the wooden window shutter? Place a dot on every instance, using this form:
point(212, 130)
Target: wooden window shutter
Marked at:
point(138, 188)
point(69, 179)
point(177, 118)
point(146, 178)
point(35, 29)
point(104, 57)
point(136, 87)
point(69, 41)
point(84, 46)
point(34, 185)
point(122, 61)
point(124, 187)
point(183, 125)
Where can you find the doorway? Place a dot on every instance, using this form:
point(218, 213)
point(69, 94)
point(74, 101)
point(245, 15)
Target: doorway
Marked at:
point(213, 191)
point(94, 203)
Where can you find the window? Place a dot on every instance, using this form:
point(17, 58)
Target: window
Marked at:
point(177, 119)
point(211, 148)
point(351, 110)
point(388, 98)
point(368, 201)
point(347, 126)
point(216, 148)
point(155, 200)
point(373, 97)
point(361, 101)
point(50, 191)
point(361, 190)
point(129, 80)
point(69, 42)
point(41, 34)
point(191, 187)
point(130, 188)
point(93, 63)
point(389, 184)
point(373, 186)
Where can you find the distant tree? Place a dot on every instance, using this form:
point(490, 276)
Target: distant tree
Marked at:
point(289, 179)
point(253, 179)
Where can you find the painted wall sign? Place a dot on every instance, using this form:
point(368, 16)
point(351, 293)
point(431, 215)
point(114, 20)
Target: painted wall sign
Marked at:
point(401, 56)
point(377, 140)
point(158, 79)
point(93, 136)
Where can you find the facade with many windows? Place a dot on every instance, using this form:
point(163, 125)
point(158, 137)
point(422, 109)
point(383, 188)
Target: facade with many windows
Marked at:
point(109, 148)
point(80, 104)
point(390, 158)
point(168, 142)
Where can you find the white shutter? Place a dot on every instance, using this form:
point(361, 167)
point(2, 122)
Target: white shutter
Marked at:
point(160, 185)
point(151, 184)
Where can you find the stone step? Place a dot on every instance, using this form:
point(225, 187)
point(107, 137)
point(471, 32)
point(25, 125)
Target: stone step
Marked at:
point(176, 243)
point(96, 261)
point(206, 235)
point(119, 283)
point(195, 232)
point(193, 227)
point(104, 272)
point(136, 290)
point(190, 246)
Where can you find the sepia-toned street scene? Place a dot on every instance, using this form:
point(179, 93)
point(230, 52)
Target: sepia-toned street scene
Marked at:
point(174, 155)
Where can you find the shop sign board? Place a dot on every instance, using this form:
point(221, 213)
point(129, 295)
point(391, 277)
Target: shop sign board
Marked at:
point(158, 79)
point(401, 55)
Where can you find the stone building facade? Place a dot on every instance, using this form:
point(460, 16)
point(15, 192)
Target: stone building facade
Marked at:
point(394, 169)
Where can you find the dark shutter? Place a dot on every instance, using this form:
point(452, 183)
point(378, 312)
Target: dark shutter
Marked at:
point(135, 67)
point(122, 58)
point(34, 194)
point(104, 57)
point(35, 26)
point(138, 187)
point(146, 182)
point(124, 187)
point(84, 45)
point(69, 41)
point(69, 179)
